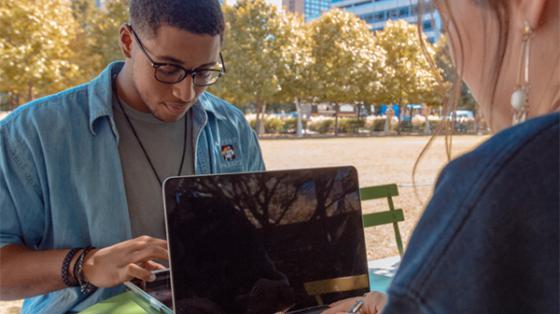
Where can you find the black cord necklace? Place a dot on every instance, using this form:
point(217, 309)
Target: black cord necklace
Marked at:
point(115, 92)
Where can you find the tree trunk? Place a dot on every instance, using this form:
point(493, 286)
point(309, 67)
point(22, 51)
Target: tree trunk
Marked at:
point(30, 91)
point(427, 127)
point(389, 113)
point(426, 114)
point(336, 110)
point(258, 117)
point(16, 101)
point(263, 118)
point(387, 126)
point(261, 109)
point(299, 126)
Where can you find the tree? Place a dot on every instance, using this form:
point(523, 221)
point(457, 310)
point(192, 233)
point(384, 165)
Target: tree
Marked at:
point(98, 40)
point(35, 47)
point(368, 79)
point(408, 76)
point(252, 53)
point(294, 72)
point(342, 46)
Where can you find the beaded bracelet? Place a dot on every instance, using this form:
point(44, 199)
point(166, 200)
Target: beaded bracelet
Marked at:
point(75, 269)
point(85, 286)
point(65, 265)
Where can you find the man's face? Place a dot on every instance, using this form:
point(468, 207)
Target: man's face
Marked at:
point(170, 102)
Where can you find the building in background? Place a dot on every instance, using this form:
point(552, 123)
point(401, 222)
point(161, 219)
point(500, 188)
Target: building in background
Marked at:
point(377, 12)
point(309, 9)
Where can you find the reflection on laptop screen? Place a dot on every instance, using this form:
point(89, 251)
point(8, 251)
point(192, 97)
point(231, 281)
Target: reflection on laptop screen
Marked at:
point(264, 242)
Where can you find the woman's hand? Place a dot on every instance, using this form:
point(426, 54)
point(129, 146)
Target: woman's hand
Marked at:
point(373, 304)
point(124, 261)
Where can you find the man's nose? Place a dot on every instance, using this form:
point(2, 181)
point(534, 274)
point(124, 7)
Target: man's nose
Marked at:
point(184, 90)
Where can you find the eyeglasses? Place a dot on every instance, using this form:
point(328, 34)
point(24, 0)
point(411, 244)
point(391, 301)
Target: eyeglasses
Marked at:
point(170, 73)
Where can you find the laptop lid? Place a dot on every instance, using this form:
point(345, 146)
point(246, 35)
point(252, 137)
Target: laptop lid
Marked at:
point(265, 242)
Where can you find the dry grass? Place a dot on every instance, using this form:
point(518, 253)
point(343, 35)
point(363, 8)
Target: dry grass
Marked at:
point(379, 160)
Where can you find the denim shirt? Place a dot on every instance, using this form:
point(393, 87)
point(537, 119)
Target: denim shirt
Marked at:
point(488, 241)
point(61, 183)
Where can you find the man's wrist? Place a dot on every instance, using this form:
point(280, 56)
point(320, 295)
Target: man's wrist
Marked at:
point(73, 269)
point(72, 266)
point(89, 265)
point(67, 266)
point(86, 287)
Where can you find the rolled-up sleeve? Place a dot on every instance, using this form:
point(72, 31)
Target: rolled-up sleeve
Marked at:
point(21, 210)
point(255, 160)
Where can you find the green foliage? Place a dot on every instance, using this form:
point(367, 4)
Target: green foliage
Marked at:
point(101, 35)
point(351, 125)
point(345, 61)
point(378, 125)
point(276, 125)
point(290, 125)
point(270, 56)
point(273, 125)
point(408, 76)
point(35, 47)
point(322, 126)
point(296, 61)
point(252, 50)
point(50, 45)
point(251, 53)
point(4, 103)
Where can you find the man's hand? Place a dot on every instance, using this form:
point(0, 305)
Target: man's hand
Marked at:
point(26, 273)
point(373, 304)
point(124, 261)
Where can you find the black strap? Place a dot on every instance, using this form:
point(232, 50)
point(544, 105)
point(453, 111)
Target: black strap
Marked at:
point(115, 92)
point(85, 286)
point(65, 265)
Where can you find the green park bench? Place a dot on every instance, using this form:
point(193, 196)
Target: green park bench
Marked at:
point(391, 216)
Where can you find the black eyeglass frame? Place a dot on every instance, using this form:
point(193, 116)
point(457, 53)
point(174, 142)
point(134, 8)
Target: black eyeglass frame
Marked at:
point(186, 72)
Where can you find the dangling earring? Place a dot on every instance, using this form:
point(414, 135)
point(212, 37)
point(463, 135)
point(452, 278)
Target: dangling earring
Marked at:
point(520, 96)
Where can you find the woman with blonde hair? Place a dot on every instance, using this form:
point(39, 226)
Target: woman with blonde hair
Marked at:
point(488, 242)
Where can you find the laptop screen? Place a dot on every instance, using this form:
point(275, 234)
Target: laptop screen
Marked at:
point(264, 242)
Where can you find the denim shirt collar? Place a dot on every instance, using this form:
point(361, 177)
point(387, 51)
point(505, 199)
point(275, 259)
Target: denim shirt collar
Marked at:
point(100, 98)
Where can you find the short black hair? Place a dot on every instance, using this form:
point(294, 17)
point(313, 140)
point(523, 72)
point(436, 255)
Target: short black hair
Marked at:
point(203, 17)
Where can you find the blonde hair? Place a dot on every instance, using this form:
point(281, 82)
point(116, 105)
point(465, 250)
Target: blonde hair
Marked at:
point(499, 9)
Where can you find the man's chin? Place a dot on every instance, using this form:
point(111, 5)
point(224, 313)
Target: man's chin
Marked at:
point(169, 118)
point(167, 114)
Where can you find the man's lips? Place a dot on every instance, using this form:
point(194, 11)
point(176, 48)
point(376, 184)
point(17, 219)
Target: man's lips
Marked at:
point(177, 107)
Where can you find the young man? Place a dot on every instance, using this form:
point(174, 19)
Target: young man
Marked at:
point(84, 168)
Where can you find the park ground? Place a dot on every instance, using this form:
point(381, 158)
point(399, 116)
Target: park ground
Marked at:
point(379, 160)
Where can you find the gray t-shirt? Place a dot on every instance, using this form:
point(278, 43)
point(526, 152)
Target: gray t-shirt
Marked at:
point(163, 142)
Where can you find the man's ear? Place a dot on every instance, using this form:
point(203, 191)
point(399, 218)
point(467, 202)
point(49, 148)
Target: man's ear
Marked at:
point(533, 11)
point(125, 40)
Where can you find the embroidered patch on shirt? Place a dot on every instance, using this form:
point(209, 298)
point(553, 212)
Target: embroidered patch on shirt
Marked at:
point(228, 152)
